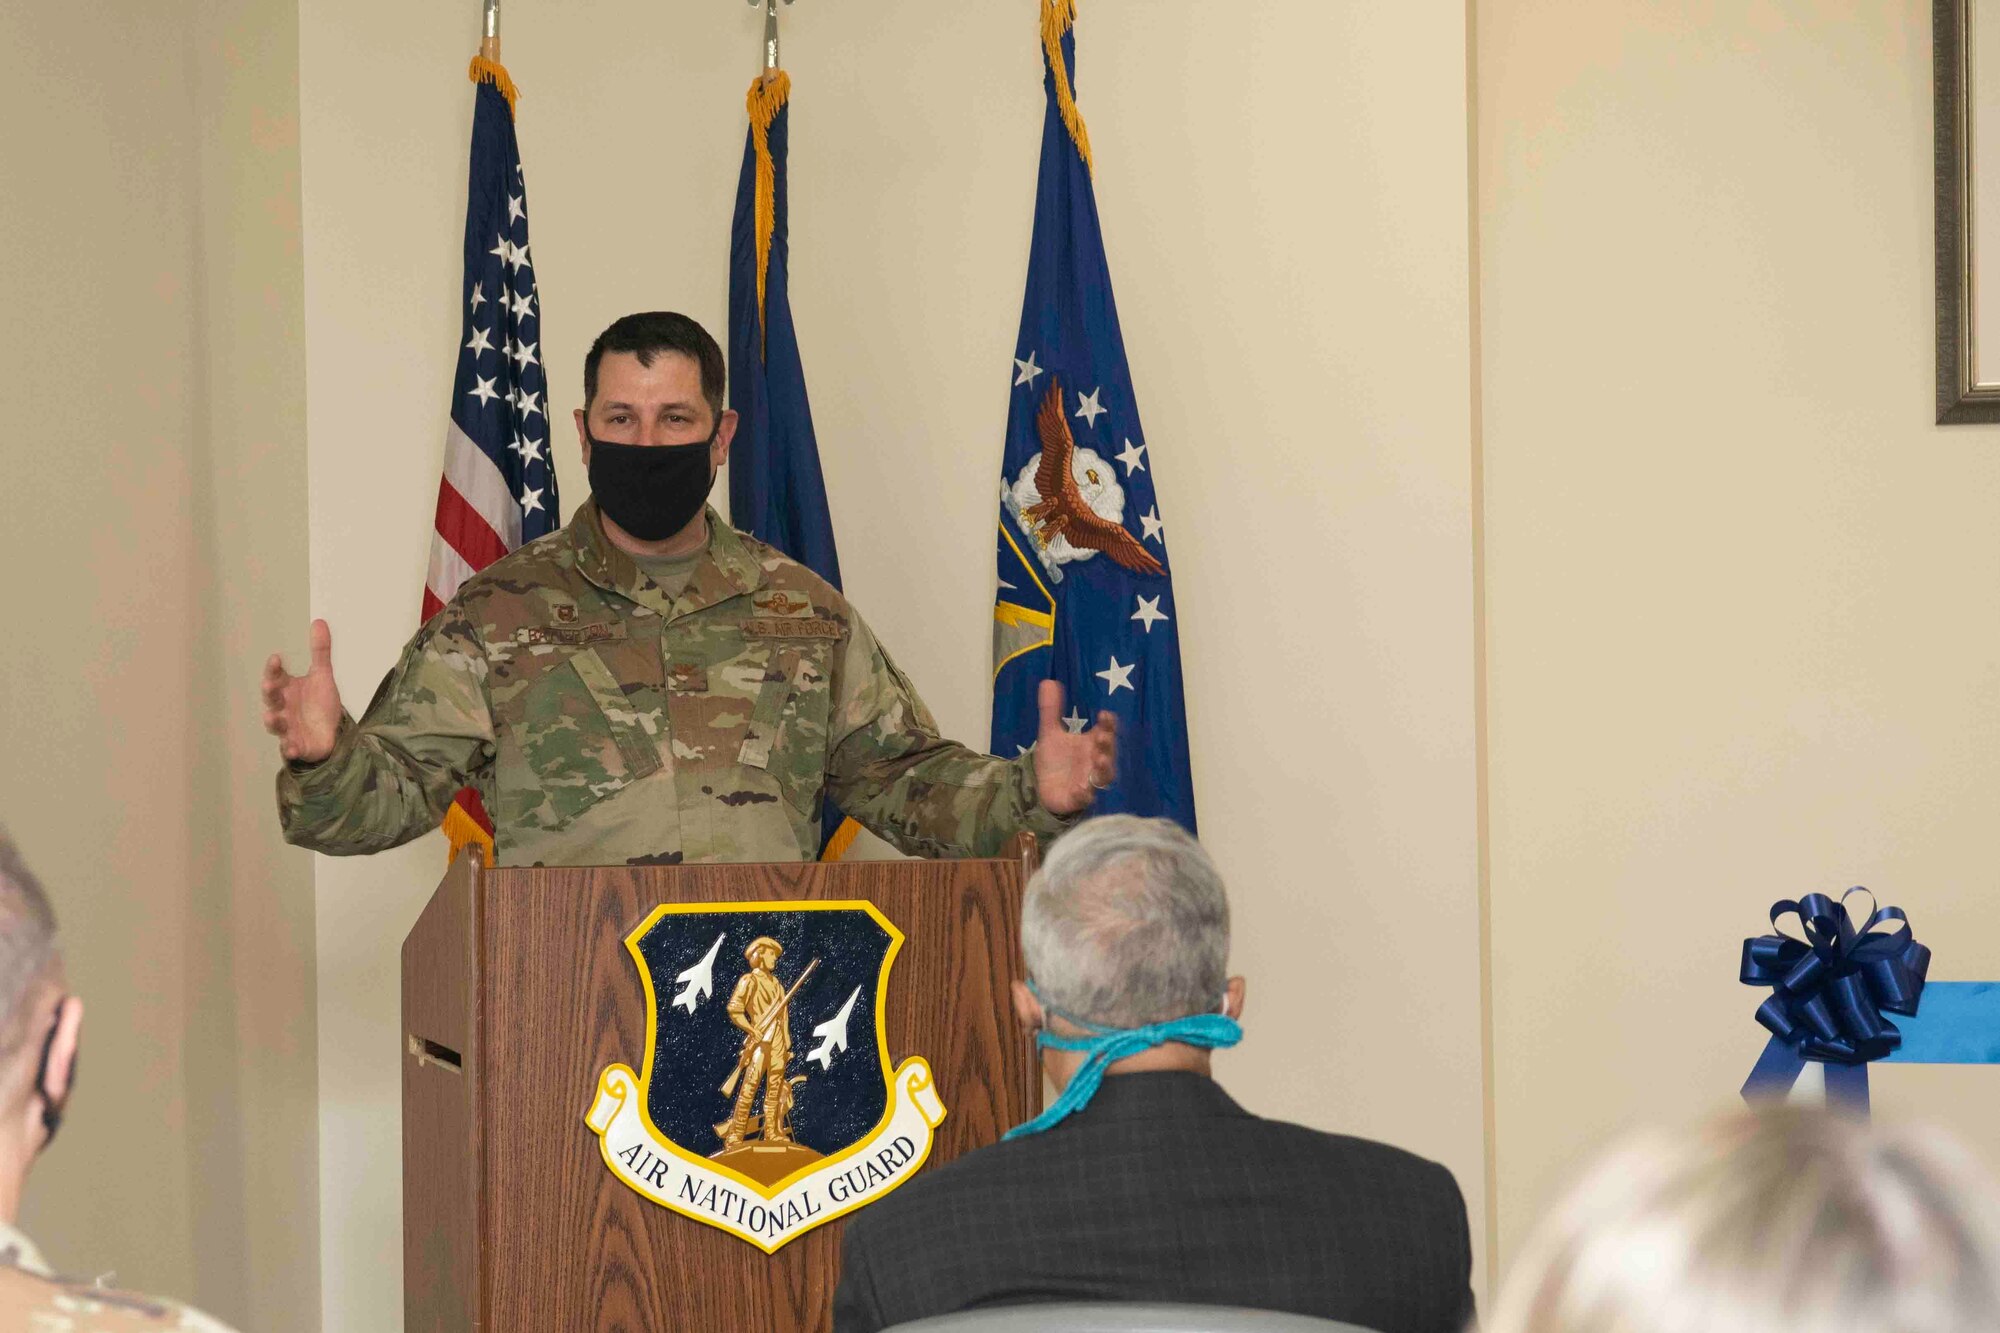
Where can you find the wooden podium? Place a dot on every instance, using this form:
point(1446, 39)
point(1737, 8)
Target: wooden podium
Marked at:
point(518, 990)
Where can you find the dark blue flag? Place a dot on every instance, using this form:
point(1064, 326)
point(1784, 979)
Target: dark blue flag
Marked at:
point(776, 491)
point(1086, 594)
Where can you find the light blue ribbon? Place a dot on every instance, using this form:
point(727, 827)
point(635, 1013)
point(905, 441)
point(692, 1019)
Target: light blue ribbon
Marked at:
point(1959, 1025)
point(1106, 1046)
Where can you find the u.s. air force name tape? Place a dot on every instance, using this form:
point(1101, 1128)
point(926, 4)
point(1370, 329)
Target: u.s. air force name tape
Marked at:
point(852, 1178)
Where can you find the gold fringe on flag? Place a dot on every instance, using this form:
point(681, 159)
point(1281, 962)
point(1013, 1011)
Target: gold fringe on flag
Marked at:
point(495, 73)
point(842, 839)
point(1058, 17)
point(767, 97)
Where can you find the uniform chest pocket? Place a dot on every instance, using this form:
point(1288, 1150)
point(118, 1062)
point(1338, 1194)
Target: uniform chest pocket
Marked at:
point(585, 730)
point(787, 736)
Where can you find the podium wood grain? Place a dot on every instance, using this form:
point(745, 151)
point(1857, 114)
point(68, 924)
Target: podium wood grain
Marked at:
point(511, 1219)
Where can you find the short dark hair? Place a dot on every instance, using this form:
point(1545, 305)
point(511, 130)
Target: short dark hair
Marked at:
point(650, 333)
point(27, 941)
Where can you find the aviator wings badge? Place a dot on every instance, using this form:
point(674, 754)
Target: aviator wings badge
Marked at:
point(767, 1105)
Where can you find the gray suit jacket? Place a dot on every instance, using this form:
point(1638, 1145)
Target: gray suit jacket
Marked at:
point(1163, 1189)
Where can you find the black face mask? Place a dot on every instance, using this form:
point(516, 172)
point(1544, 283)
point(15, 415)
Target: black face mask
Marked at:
point(651, 491)
point(52, 1107)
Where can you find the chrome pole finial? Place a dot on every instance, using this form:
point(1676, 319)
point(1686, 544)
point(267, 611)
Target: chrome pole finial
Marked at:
point(771, 32)
point(491, 31)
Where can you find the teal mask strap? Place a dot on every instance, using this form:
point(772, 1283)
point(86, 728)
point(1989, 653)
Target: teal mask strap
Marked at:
point(1106, 1046)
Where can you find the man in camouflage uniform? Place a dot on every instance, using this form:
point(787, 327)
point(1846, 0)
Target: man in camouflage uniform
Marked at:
point(656, 696)
point(766, 1054)
point(39, 1025)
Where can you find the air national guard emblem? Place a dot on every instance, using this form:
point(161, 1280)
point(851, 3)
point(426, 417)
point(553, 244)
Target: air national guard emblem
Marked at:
point(767, 1105)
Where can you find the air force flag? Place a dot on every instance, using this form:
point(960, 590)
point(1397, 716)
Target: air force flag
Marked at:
point(1086, 592)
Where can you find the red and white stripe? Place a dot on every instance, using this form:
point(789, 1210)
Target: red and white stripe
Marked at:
point(478, 519)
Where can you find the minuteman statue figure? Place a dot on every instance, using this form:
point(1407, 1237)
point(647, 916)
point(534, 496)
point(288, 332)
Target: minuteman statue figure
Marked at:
point(758, 1006)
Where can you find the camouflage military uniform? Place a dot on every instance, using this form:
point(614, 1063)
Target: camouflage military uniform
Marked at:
point(32, 1300)
point(605, 722)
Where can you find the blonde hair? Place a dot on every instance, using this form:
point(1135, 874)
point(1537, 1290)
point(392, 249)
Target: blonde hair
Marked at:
point(1786, 1220)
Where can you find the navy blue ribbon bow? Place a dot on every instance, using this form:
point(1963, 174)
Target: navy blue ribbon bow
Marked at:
point(1830, 992)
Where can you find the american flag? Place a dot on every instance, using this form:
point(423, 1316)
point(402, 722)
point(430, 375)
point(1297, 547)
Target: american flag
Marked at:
point(499, 483)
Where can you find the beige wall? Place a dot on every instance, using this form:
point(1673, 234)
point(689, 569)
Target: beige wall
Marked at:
point(1737, 607)
point(155, 535)
point(384, 126)
point(1291, 258)
point(1741, 597)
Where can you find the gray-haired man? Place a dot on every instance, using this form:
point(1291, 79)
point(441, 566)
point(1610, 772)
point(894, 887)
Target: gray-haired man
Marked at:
point(1144, 1181)
point(39, 1024)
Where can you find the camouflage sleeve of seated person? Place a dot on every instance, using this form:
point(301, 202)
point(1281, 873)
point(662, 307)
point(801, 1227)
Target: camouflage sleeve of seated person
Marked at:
point(888, 767)
point(427, 732)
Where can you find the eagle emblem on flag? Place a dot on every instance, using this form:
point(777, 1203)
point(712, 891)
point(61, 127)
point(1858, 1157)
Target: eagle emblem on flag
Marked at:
point(1074, 506)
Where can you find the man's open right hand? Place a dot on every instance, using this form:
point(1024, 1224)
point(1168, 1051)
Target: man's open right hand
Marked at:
point(303, 712)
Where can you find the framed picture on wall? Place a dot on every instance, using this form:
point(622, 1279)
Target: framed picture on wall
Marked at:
point(1965, 43)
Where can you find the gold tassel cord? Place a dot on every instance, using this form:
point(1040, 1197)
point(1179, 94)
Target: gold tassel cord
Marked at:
point(495, 73)
point(767, 97)
point(1058, 17)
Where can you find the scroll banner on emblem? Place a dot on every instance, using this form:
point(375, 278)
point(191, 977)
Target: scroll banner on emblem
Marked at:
point(864, 1173)
point(767, 1104)
point(1834, 988)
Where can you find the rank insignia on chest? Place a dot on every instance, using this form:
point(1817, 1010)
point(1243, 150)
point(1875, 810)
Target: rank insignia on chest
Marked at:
point(767, 1104)
point(687, 678)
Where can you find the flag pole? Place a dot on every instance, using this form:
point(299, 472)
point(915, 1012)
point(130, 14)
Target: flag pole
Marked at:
point(771, 64)
point(486, 66)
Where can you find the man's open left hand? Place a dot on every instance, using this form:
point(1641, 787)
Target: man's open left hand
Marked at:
point(1072, 767)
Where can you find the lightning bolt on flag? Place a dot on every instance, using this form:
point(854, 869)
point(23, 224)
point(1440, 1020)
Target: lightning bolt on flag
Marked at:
point(776, 491)
point(499, 483)
point(1086, 590)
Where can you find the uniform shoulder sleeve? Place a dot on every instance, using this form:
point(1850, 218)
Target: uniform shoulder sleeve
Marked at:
point(888, 767)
